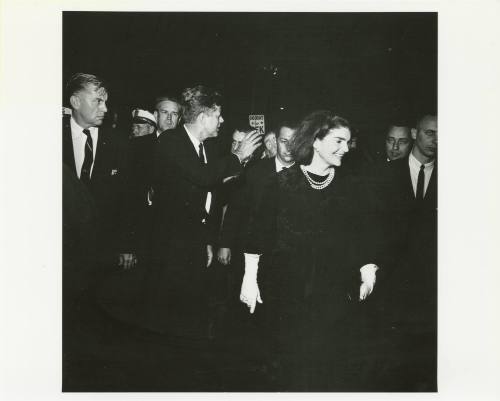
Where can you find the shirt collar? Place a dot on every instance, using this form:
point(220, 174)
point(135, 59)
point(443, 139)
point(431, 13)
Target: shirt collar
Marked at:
point(413, 162)
point(194, 140)
point(77, 130)
point(280, 166)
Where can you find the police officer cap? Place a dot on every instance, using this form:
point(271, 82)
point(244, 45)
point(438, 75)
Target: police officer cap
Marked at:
point(140, 116)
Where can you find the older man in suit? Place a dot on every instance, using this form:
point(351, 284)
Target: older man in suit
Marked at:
point(186, 174)
point(96, 156)
point(92, 193)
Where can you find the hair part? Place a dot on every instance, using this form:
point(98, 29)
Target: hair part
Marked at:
point(199, 99)
point(314, 126)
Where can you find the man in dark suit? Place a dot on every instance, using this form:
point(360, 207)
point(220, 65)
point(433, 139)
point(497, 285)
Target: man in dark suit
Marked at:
point(138, 176)
point(186, 173)
point(96, 156)
point(409, 290)
point(243, 203)
point(250, 193)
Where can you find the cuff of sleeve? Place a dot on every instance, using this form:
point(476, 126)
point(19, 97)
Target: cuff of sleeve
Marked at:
point(368, 272)
point(369, 267)
point(251, 263)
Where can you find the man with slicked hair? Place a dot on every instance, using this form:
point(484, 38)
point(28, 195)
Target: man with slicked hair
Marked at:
point(168, 112)
point(398, 142)
point(187, 171)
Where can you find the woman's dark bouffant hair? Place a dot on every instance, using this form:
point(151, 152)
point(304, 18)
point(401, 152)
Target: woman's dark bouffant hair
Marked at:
point(314, 126)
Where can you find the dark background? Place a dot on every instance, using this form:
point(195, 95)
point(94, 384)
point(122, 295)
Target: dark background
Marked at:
point(372, 68)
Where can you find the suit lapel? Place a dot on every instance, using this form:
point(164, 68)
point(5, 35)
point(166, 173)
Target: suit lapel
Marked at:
point(271, 165)
point(431, 193)
point(100, 153)
point(409, 186)
point(189, 147)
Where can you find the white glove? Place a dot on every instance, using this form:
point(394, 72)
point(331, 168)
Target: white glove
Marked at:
point(368, 278)
point(250, 293)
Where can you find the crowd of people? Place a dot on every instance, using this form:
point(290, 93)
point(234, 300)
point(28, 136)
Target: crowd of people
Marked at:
point(272, 232)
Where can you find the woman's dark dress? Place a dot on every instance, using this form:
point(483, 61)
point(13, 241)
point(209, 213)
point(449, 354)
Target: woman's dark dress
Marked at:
point(309, 276)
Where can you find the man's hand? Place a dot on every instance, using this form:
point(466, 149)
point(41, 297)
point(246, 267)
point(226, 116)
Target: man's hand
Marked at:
point(127, 260)
point(224, 256)
point(248, 145)
point(210, 255)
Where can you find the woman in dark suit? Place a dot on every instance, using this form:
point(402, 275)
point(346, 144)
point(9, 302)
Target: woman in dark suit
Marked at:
point(302, 238)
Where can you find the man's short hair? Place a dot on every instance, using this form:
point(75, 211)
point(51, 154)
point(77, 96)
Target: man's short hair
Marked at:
point(423, 116)
point(197, 100)
point(292, 124)
point(314, 126)
point(80, 81)
point(167, 96)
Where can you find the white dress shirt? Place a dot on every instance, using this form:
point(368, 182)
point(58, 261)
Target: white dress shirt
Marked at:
point(415, 169)
point(79, 140)
point(280, 166)
point(196, 144)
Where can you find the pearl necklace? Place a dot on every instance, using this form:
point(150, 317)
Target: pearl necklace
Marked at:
point(315, 184)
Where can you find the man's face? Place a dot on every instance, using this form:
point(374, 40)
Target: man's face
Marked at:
point(212, 120)
point(425, 136)
point(285, 136)
point(167, 115)
point(237, 138)
point(89, 106)
point(398, 143)
point(270, 144)
point(141, 129)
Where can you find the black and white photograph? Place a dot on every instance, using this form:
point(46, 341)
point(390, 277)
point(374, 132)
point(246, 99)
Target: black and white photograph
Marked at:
point(187, 239)
point(249, 201)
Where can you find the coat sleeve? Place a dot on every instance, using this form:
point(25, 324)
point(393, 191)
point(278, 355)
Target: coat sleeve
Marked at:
point(236, 216)
point(261, 232)
point(173, 157)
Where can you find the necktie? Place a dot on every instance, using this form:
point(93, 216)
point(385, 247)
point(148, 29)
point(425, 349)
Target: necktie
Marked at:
point(201, 155)
point(420, 184)
point(88, 159)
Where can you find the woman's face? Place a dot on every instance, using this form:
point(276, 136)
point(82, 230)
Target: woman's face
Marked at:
point(333, 146)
